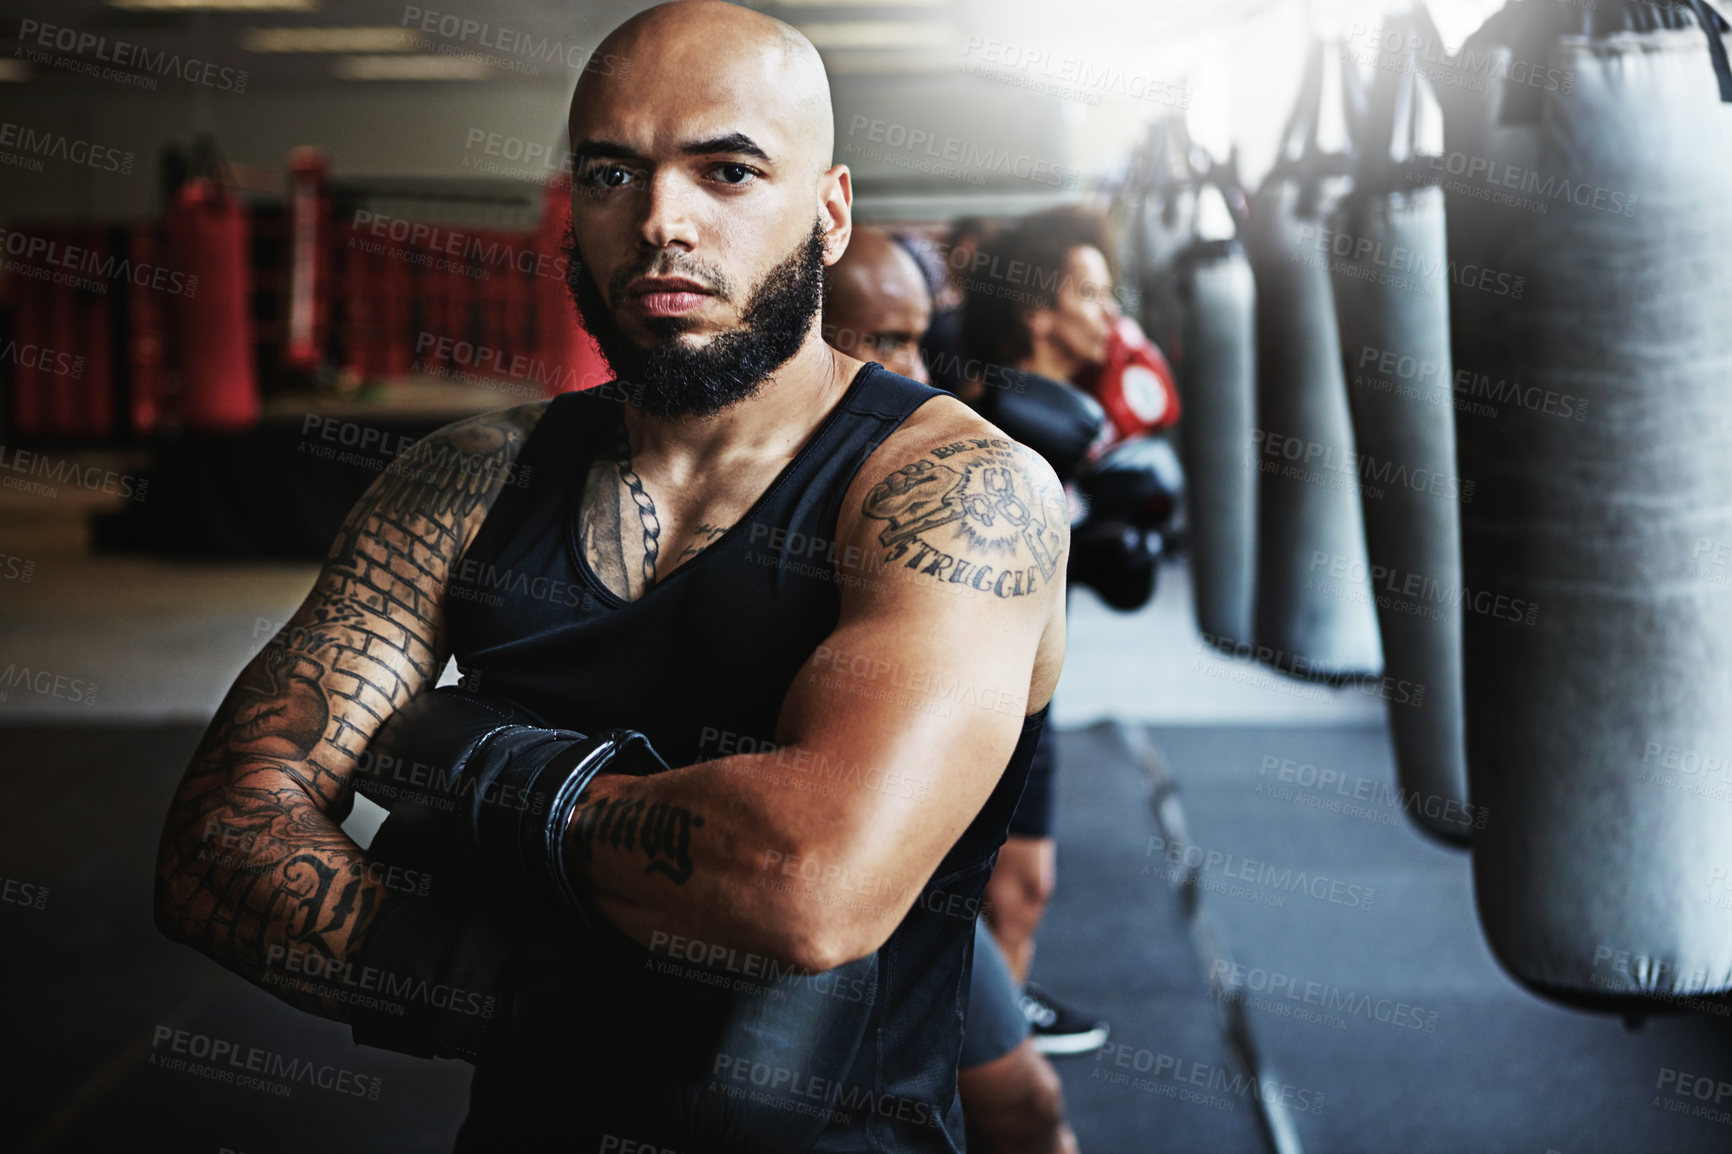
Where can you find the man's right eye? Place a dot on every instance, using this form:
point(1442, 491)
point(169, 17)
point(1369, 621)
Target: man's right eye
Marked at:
point(607, 175)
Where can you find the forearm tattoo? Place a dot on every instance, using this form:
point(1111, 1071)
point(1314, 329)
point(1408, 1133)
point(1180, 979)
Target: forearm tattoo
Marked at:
point(274, 771)
point(658, 831)
point(976, 514)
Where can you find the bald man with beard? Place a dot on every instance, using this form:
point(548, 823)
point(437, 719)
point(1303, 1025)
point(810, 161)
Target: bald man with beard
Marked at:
point(756, 641)
point(876, 304)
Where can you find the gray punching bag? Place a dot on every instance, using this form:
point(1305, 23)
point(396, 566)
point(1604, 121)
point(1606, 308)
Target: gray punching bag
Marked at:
point(1163, 230)
point(1392, 307)
point(1599, 736)
point(1308, 503)
point(1217, 378)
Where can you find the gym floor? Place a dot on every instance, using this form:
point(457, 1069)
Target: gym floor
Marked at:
point(1372, 1019)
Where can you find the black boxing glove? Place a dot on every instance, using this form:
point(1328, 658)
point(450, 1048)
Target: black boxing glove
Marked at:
point(1116, 560)
point(436, 974)
point(479, 795)
point(1133, 494)
point(1139, 482)
point(1057, 420)
point(511, 784)
point(588, 1034)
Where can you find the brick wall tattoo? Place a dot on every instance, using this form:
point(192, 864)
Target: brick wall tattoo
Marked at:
point(974, 513)
point(275, 768)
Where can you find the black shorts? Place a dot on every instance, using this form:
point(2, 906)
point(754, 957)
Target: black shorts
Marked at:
point(1033, 816)
point(994, 1024)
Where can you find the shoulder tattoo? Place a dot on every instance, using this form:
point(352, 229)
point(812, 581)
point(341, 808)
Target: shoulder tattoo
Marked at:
point(975, 513)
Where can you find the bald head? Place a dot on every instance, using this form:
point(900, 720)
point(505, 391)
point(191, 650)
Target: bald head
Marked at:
point(704, 205)
point(723, 54)
point(876, 306)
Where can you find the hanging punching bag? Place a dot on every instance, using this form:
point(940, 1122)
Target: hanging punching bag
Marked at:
point(1590, 299)
point(309, 298)
point(94, 388)
point(1309, 621)
point(1217, 377)
point(33, 302)
point(145, 343)
point(1392, 309)
point(213, 330)
point(1163, 228)
point(66, 329)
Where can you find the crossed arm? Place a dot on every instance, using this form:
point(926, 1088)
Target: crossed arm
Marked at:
point(252, 868)
point(964, 539)
point(892, 737)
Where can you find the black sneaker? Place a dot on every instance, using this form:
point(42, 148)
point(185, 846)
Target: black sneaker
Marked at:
point(1057, 1028)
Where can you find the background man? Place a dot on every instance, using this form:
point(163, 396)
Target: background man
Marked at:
point(876, 304)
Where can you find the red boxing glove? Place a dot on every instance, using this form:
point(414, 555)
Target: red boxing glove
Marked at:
point(1135, 384)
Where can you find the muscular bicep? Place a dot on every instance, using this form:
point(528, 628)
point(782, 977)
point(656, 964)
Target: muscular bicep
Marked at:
point(365, 640)
point(251, 861)
point(370, 634)
point(928, 675)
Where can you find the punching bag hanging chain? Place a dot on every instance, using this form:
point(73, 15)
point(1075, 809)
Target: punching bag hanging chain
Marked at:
point(1710, 22)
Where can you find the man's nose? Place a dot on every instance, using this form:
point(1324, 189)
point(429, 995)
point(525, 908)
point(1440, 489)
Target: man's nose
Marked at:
point(667, 218)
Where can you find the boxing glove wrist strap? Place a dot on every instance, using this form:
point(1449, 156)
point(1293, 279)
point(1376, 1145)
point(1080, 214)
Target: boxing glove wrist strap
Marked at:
point(548, 771)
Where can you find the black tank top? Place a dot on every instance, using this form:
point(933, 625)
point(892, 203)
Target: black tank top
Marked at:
point(700, 664)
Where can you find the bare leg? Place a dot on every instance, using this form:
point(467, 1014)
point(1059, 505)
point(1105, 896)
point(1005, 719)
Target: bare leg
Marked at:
point(1015, 1105)
point(1017, 894)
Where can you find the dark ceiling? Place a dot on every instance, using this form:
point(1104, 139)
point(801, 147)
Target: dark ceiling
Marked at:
point(52, 41)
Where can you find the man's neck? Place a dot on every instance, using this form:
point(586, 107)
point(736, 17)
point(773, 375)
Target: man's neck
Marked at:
point(772, 423)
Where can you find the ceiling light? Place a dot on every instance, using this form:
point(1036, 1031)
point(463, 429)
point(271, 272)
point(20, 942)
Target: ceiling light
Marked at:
point(410, 68)
point(382, 39)
point(877, 34)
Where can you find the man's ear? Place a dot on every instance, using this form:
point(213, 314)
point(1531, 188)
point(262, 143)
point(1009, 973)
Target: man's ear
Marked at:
point(836, 195)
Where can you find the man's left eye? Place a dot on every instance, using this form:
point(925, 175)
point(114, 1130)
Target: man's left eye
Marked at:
point(734, 173)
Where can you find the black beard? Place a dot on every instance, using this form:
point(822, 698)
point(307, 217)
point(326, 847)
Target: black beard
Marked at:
point(679, 381)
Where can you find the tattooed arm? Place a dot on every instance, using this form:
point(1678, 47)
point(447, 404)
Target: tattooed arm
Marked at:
point(893, 734)
point(252, 868)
